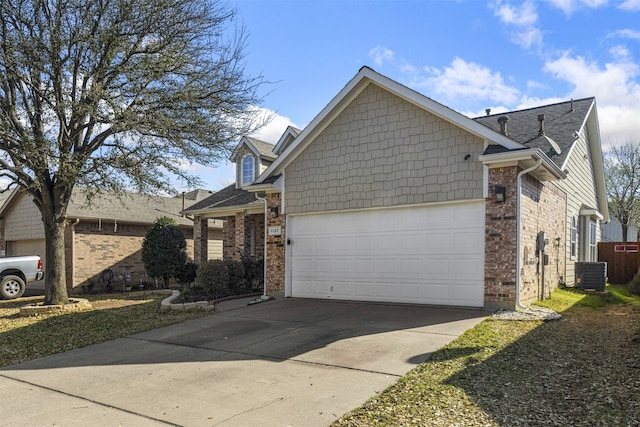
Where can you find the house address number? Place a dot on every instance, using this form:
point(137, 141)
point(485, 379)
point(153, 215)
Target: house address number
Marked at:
point(275, 231)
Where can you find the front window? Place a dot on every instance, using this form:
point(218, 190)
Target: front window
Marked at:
point(247, 170)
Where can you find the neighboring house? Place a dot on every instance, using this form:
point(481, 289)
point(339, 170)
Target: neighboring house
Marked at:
point(612, 232)
point(390, 196)
point(106, 234)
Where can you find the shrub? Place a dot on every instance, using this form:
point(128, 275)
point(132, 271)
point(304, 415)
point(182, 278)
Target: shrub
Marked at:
point(254, 273)
point(236, 276)
point(186, 274)
point(634, 284)
point(213, 277)
point(164, 250)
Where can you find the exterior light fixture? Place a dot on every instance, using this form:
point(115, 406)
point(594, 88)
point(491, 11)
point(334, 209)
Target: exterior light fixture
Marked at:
point(274, 212)
point(501, 193)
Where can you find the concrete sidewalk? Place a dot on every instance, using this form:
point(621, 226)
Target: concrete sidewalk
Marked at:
point(279, 363)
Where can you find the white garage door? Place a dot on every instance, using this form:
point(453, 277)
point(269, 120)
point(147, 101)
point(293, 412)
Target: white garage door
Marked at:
point(424, 255)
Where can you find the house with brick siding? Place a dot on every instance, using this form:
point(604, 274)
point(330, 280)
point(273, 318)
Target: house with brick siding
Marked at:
point(390, 196)
point(104, 234)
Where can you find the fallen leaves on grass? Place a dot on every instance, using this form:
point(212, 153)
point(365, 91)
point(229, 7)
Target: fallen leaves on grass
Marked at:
point(26, 338)
point(581, 370)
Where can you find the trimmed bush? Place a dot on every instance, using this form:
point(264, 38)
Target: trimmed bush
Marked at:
point(220, 279)
point(213, 277)
point(186, 274)
point(236, 276)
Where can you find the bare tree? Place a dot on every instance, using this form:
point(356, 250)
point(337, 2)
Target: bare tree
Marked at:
point(622, 176)
point(113, 95)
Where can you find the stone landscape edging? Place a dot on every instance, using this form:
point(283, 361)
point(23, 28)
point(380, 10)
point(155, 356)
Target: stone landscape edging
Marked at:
point(166, 303)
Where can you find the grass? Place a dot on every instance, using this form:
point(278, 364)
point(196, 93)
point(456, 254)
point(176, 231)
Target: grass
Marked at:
point(581, 370)
point(26, 338)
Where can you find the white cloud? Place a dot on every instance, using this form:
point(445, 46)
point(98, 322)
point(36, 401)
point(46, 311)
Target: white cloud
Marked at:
point(272, 132)
point(627, 33)
point(630, 5)
point(570, 6)
point(525, 15)
point(222, 175)
point(615, 86)
point(381, 54)
point(523, 19)
point(466, 79)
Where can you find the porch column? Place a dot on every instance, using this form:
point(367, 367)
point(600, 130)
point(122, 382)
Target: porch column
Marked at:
point(200, 239)
point(240, 237)
point(229, 238)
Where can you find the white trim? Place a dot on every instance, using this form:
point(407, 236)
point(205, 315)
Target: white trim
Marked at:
point(593, 213)
point(244, 140)
point(289, 132)
point(379, 208)
point(510, 158)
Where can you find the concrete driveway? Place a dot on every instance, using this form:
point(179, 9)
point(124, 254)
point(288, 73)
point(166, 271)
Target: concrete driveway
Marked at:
point(280, 363)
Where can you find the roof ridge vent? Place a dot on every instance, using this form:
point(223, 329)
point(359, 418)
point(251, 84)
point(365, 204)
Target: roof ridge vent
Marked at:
point(503, 125)
point(541, 121)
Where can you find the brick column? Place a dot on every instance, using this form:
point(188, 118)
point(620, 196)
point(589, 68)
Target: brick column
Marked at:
point(229, 238)
point(275, 246)
point(200, 239)
point(500, 241)
point(239, 236)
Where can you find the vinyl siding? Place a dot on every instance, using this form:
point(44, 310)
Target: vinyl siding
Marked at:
point(580, 188)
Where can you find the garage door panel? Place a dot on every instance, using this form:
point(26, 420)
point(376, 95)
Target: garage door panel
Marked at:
point(385, 267)
point(412, 267)
point(436, 243)
point(419, 255)
point(362, 290)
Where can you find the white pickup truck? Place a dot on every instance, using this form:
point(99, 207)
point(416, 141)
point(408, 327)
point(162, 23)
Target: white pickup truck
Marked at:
point(16, 272)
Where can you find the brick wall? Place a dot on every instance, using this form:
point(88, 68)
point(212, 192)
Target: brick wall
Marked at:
point(500, 241)
point(543, 208)
point(275, 247)
point(98, 248)
point(243, 235)
point(229, 238)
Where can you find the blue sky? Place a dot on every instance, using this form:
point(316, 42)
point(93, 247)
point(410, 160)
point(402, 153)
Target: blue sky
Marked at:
point(468, 55)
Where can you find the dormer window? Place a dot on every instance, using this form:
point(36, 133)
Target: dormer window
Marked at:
point(248, 170)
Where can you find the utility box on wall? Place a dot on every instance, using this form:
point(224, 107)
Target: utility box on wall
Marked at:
point(591, 275)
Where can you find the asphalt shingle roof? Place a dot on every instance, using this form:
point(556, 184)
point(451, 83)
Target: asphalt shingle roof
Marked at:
point(264, 148)
point(560, 123)
point(227, 197)
point(132, 207)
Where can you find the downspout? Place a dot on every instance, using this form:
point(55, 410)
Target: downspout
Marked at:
point(70, 275)
point(518, 208)
point(264, 296)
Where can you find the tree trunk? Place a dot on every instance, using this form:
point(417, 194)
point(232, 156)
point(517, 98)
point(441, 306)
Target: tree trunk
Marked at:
point(625, 230)
point(55, 283)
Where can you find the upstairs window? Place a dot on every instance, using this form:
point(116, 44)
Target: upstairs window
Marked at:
point(248, 170)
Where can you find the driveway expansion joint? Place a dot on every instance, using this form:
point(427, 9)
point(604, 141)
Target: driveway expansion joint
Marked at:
point(265, 356)
point(86, 399)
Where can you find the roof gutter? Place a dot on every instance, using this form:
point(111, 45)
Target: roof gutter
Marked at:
point(518, 214)
point(534, 154)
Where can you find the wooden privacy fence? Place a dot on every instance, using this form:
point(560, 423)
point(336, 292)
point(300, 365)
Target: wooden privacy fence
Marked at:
point(623, 260)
